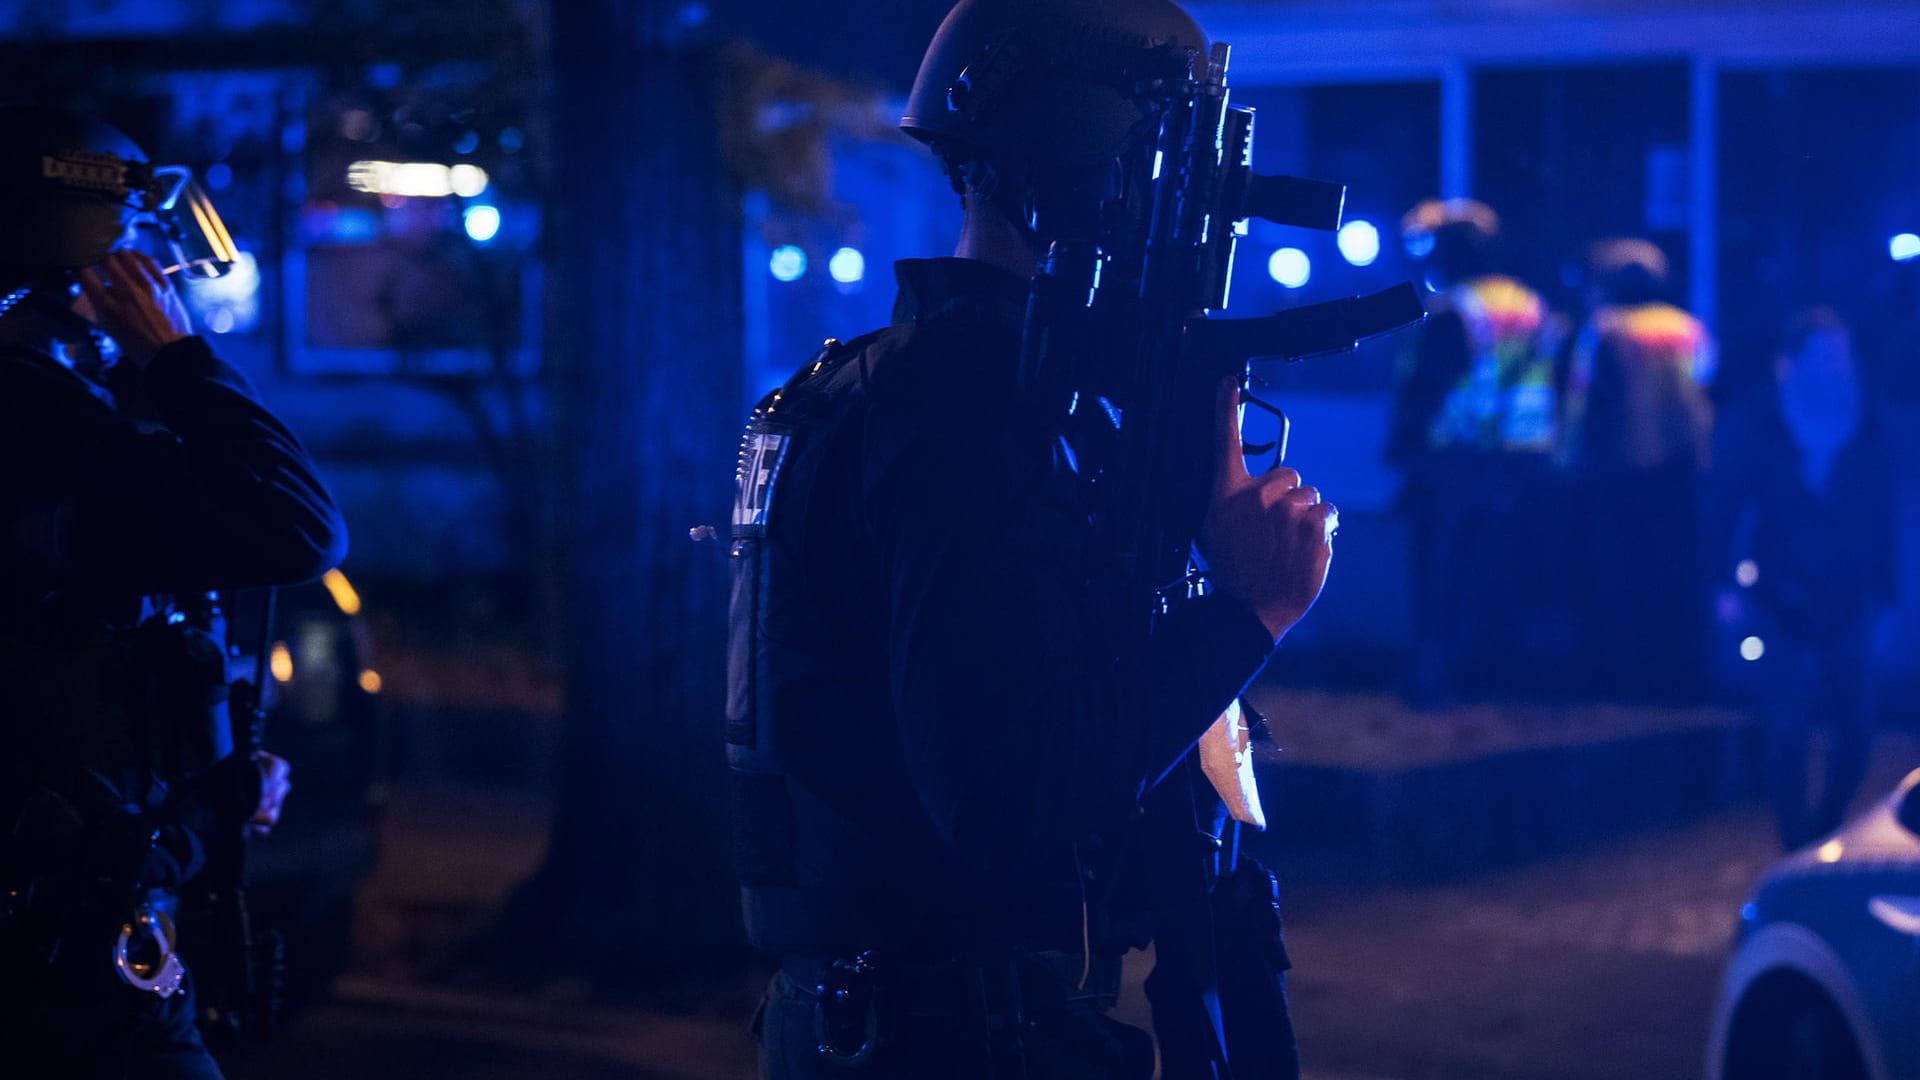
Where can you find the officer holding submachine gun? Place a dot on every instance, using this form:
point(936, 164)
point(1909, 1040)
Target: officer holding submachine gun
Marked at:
point(144, 477)
point(1001, 572)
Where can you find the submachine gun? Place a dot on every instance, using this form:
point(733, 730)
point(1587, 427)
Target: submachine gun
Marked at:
point(1119, 318)
point(1129, 308)
point(239, 965)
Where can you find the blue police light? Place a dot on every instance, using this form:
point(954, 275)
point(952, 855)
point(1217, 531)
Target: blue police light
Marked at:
point(1290, 267)
point(1904, 248)
point(482, 222)
point(1359, 242)
point(787, 263)
point(847, 266)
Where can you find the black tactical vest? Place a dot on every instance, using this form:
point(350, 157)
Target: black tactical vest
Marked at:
point(812, 763)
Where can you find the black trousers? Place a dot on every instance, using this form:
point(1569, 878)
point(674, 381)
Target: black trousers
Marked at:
point(940, 1026)
point(1813, 684)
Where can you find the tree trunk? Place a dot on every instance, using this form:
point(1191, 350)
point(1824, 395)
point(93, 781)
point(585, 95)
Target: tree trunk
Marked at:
point(646, 345)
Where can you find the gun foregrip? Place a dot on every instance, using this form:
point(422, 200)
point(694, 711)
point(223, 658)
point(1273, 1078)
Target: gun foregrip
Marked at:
point(1290, 200)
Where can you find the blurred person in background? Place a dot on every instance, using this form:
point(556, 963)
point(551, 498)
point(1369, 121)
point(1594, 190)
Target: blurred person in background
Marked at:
point(144, 475)
point(1473, 431)
point(1637, 430)
point(1802, 522)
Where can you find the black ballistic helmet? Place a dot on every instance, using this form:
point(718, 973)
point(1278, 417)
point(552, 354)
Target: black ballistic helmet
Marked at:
point(1038, 84)
point(69, 187)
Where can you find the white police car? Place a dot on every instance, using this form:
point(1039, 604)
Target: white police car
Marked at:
point(1825, 981)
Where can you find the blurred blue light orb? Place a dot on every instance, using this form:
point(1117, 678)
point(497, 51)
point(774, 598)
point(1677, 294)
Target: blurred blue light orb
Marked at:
point(467, 143)
point(1359, 242)
point(1419, 245)
point(847, 266)
point(1290, 267)
point(219, 175)
point(482, 221)
point(787, 263)
point(1905, 247)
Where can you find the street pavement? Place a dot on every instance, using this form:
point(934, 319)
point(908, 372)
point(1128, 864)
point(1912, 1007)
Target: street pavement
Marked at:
point(1601, 964)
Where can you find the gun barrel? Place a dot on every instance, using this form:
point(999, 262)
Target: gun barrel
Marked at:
point(1335, 326)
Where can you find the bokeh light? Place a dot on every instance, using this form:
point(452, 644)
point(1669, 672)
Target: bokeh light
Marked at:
point(847, 266)
point(482, 222)
point(1290, 267)
point(1359, 242)
point(787, 263)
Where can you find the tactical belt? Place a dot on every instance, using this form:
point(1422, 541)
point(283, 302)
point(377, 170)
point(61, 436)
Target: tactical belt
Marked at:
point(818, 921)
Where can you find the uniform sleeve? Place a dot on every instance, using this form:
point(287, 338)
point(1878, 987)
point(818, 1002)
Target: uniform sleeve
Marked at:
point(1021, 729)
point(223, 497)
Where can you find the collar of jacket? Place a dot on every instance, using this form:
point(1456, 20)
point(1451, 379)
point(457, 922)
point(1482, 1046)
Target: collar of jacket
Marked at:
point(935, 288)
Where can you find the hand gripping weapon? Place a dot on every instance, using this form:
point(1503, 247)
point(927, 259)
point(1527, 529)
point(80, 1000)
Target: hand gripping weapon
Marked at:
point(1123, 311)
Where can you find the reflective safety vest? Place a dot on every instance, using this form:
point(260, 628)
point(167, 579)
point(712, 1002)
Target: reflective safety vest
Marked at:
point(1505, 399)
point(1655, 361)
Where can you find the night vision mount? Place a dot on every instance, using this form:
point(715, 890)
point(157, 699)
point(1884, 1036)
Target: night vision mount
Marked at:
point(171, 213)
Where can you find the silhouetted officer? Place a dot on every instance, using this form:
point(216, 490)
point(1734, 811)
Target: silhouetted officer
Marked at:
point(135, 487)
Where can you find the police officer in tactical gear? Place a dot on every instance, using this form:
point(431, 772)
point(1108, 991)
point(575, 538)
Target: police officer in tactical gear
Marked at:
point(938, 760)
point(144, 475)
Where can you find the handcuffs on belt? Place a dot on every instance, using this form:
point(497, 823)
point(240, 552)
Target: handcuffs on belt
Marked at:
point(144, 955)
point(846, 1023)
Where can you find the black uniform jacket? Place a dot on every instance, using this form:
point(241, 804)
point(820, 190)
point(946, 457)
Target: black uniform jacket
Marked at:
point(1826, 558)
point(937, 670)
point(179, 481)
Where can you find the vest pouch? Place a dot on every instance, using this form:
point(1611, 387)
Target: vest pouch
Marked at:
point(744, 639)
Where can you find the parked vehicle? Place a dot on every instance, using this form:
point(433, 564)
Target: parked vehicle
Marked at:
point(1825, 981)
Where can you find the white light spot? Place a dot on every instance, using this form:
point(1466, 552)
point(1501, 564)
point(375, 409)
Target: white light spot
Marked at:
point(467, 180)
point(1290, 267)
point(1359, 242)
point(1905, 247)
point(1747, 573)
point(847, 266)
point(482, 222)
point(788, 263)
point(1752, 649)
point(416, 179)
